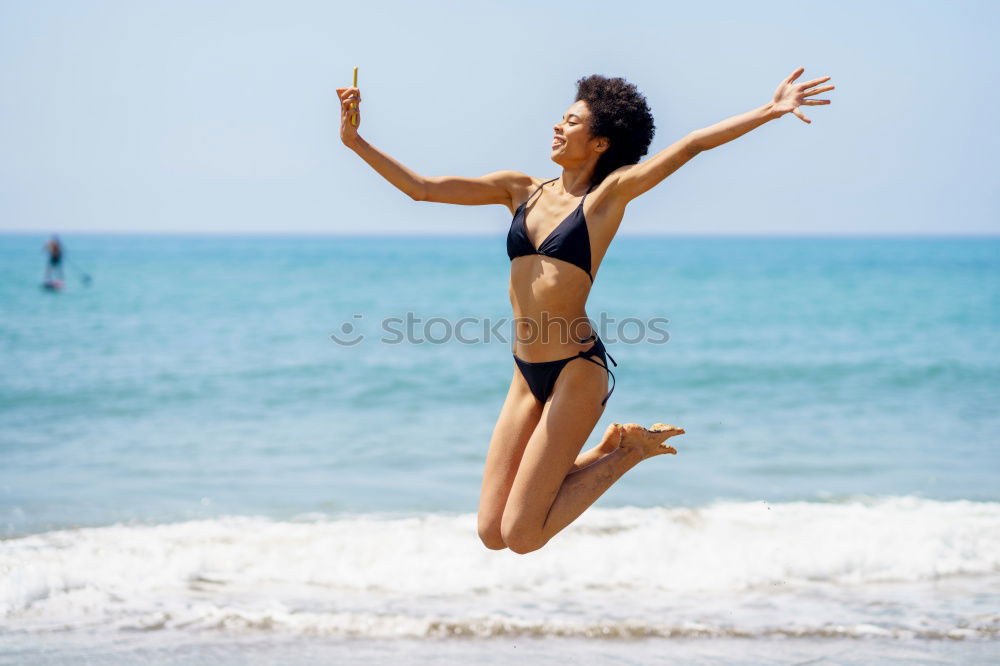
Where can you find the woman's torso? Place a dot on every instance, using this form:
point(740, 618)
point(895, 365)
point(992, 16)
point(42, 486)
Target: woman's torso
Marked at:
point(557, 239)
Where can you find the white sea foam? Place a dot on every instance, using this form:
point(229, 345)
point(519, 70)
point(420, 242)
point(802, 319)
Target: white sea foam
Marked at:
point(850, 568)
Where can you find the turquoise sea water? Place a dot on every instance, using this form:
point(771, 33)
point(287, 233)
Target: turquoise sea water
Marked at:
point(197, 375)
point(846, 386)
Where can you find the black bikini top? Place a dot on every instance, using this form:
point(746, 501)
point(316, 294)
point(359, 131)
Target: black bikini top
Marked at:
point(569, 241)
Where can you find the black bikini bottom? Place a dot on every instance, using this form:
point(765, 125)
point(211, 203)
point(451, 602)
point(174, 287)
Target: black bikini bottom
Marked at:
point(541, 376)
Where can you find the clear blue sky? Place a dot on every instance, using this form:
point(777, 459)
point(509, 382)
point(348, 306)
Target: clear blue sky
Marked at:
point(222, 116)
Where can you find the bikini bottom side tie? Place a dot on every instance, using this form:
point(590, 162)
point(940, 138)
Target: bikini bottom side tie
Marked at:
point(541, 376)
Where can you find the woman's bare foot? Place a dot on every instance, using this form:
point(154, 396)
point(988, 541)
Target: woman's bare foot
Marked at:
point(610, 443)
point(649, 441)
point(612, 439)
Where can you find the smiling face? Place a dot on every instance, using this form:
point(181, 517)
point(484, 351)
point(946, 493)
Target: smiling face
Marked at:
point(572, 143)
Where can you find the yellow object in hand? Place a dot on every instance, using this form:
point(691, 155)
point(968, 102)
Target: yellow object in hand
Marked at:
point(354, 117)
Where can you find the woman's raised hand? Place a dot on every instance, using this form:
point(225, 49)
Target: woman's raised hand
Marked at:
point(350, 101)
point(790, 95)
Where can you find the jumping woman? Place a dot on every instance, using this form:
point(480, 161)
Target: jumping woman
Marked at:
point(536, 480)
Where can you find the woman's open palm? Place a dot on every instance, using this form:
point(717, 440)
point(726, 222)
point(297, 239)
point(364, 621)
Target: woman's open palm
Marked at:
point(790, 95)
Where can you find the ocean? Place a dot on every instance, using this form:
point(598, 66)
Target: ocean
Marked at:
point(268, 449)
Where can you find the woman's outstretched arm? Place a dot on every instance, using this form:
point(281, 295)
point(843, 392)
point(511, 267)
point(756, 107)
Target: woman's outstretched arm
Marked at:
point(494, 188)
point(633, 180)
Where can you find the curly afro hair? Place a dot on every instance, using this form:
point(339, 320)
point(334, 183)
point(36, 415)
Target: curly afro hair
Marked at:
point(618, 112)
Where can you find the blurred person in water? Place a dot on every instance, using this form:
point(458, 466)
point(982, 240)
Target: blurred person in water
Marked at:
point(53, 269)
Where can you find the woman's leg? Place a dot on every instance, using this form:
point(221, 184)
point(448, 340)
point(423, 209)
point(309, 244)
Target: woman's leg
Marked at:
point(518, 418)
point(547, 495)
point(582, 488)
